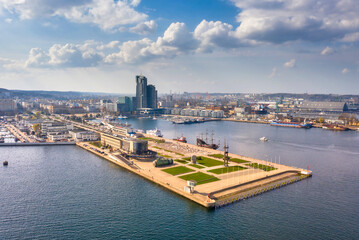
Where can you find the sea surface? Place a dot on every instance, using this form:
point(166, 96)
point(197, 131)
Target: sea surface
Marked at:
point(65, 192)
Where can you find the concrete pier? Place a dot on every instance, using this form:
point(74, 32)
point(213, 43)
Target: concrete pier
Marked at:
point(230, 187)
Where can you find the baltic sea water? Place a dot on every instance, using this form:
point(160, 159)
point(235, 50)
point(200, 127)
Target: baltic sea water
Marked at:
point(64, 192)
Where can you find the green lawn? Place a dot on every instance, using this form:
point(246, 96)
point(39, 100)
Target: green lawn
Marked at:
point(177, 170)
point(96, 144)
point(237, 160)
point(205, 161)
point(165, 156)
point(226, 169)
point(261, 166)
point(196, 166)
point(199, 177)
point(217, 155)
point(152, 139)
point(181, 161)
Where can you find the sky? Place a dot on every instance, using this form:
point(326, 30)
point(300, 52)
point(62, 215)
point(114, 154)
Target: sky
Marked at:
point(228, 46)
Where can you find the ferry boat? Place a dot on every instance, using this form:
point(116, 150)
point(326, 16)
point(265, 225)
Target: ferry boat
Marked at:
point(156, 132)
point(291, 124)
point(122, 117)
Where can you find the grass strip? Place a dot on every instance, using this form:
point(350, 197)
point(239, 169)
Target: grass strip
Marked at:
point(199, 177)
point(226, 169)
point(261, 166)
point(237, 160)
point(177, 170)
point(217, 155)
point(181, 161)
point(152, 139)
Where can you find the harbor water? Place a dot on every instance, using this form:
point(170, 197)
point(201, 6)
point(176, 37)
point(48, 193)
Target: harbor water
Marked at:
point(65, 192)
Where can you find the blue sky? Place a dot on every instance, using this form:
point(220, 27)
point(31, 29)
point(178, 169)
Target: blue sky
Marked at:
point(181, 45)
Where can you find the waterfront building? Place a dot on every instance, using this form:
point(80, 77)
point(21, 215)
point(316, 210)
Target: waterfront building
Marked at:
point(58, 136)
point(324, 106)
point(146, 95)
point(83, 135)
point(131, 145)
point(126, 104)
point(141, 91)
point(151, 96)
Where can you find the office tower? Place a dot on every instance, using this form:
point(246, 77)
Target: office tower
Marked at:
point(141, 91)
point(151, 96)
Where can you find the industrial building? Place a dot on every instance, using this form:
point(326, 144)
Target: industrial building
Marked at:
point(324, 106)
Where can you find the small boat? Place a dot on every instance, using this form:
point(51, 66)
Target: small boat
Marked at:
point(181, 139)
point(264, 139)
point(5, 163)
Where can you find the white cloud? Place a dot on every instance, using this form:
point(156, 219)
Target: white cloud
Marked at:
point(279, 21)
point(351, 37)
point(68, 55)
point(327, 51)
point(107, 14)
point(176, 40)
point(273, 73)
point(345, 71)
point(144, 28)
point(8, 20)
point(290, 63)
point(216, 34)
point(110, 45)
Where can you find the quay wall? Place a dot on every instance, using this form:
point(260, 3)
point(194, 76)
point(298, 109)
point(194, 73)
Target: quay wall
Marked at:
point(36, 144)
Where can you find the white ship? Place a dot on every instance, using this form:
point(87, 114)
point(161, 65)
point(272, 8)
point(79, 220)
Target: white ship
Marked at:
point(263, 139)
point(156, 132)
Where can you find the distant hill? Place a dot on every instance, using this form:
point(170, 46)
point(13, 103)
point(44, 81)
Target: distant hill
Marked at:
point(6, 93)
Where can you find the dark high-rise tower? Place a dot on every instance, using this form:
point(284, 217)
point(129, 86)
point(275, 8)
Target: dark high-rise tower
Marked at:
point(151, 96)
point(141, 91)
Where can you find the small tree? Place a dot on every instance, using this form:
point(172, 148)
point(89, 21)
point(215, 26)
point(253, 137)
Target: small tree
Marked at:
point(36, 127)
point(321, 120)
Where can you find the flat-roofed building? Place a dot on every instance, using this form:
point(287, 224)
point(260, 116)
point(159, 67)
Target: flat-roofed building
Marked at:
point(51, 126)
point(84, 135)
point(132, 145)
point(7, 105)
point(324, 106)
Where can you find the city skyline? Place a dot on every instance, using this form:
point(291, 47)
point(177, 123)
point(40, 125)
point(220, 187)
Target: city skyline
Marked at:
point(247, 46)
